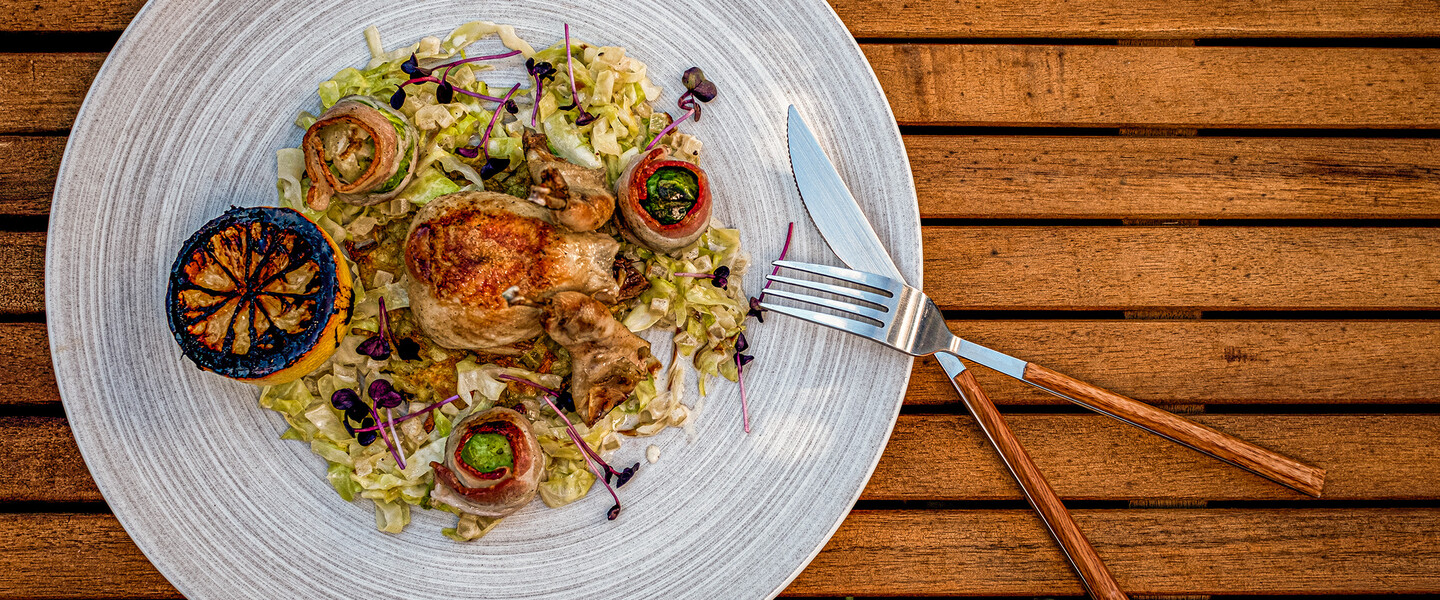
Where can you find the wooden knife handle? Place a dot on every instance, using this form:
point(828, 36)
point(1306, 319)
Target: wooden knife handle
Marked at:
point(1273, 466)
point(1098, 580)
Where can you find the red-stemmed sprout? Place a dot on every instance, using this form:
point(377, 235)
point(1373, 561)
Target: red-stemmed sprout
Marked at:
point(697, 87)
point(540, 72)
point(720, 278)
point(384, 396)
point(591, 457)
point(741, 344)
point(444, 91)
point(378, 346)
point(394, 422)
point(585, 117)
point(484, 148)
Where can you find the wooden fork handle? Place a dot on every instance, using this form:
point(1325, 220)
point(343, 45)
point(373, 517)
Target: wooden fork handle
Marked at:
point(1271, 465)
point(1097, 579)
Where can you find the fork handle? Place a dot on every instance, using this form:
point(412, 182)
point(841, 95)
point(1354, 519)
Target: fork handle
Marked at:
point(1097, 579)
point(1270, 465)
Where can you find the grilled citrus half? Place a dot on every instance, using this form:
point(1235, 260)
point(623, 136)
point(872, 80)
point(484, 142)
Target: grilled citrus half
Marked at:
point(259, 294)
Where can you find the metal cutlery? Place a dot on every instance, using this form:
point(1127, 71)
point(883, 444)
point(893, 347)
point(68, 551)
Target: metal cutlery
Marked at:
point(850, 236)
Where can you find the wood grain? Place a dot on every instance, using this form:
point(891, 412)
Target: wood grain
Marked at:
point(1186, 19)
point(1036, 18)
point(1089, 457)
point(1125, 268)
point(22, 264)
point(1029, 85)
point(979, 552)
point(1068, 177)
point(49, 15)
point(1175, 178)
point(43, 463)
point(1099, 583)
point(1208, 362)
point(1267, 463)
point(945, 457)
point(997, 553)
point(27, 173)
point(1119, 86)
point(42, 92)
point(28, 377)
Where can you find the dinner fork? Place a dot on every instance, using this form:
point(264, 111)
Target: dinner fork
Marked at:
point(905, 319)
point(1093, 574)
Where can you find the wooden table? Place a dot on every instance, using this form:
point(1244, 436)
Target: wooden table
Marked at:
point(1229, 209)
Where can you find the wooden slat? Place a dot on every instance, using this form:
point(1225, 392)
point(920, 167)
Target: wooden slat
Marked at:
point(1175, 178)
point(62, 555)
point(1123, 268)
point(42, 92)
point(1007, 553)
point(1090, 457)
point(22, 268)
point(906, 18)
point(28, 376)
point(1208, 362)
point(980, 552)
point(1101, 86)
point(945, 457)
point(27, 173)
point(1068, 177)
point(1117, 86)
point(51, 15)
point(44, 465)
point(1186, 19)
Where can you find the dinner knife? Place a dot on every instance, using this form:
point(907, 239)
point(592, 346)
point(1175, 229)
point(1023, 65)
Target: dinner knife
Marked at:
point(854, 241)
point(843, 225)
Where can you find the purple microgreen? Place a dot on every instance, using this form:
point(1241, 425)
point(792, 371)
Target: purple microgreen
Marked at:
point(344, 399)
point(479, 96)
point(389, 416)
point(755, 310)
point(364, 436)
point(378, 346)
point(482, 148)
point(741, 344)
point(359, 412)
point(669, 128)
point(395, 452)
point(585, 117)
point(720, 278)
point(539, 71)
point(444, 93)
point(704, 92)
point(740, 361)
point(385, 395)
point(692, 77)
point(453, 64)
point(412, 415)
point(398, 99)
point(494, 167)
point(585, 450)
point(412, 68)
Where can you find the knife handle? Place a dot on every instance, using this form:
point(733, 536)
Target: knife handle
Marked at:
point(1265, 463)
point(1097, 579)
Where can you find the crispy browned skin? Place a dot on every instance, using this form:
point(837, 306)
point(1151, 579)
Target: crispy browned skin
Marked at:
point(608, 360)
point(580, 197)
point(466, 250)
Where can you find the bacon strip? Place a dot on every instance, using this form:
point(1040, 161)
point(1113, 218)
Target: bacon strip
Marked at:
point(391, 148)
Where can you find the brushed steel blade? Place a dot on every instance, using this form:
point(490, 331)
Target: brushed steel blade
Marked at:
point(832, 208)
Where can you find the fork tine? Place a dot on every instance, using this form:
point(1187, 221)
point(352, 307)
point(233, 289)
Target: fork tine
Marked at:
point(862, 295)
point(867, 279)
point(854, 309)
point(831, 321)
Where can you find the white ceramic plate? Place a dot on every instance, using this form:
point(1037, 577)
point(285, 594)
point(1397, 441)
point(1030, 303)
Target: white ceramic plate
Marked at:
point(183, 121)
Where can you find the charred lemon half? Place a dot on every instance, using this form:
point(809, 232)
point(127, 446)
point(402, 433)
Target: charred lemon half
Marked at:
point(259, 294)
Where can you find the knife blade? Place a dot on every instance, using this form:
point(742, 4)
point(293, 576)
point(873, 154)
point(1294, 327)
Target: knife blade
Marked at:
point(848, 232)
